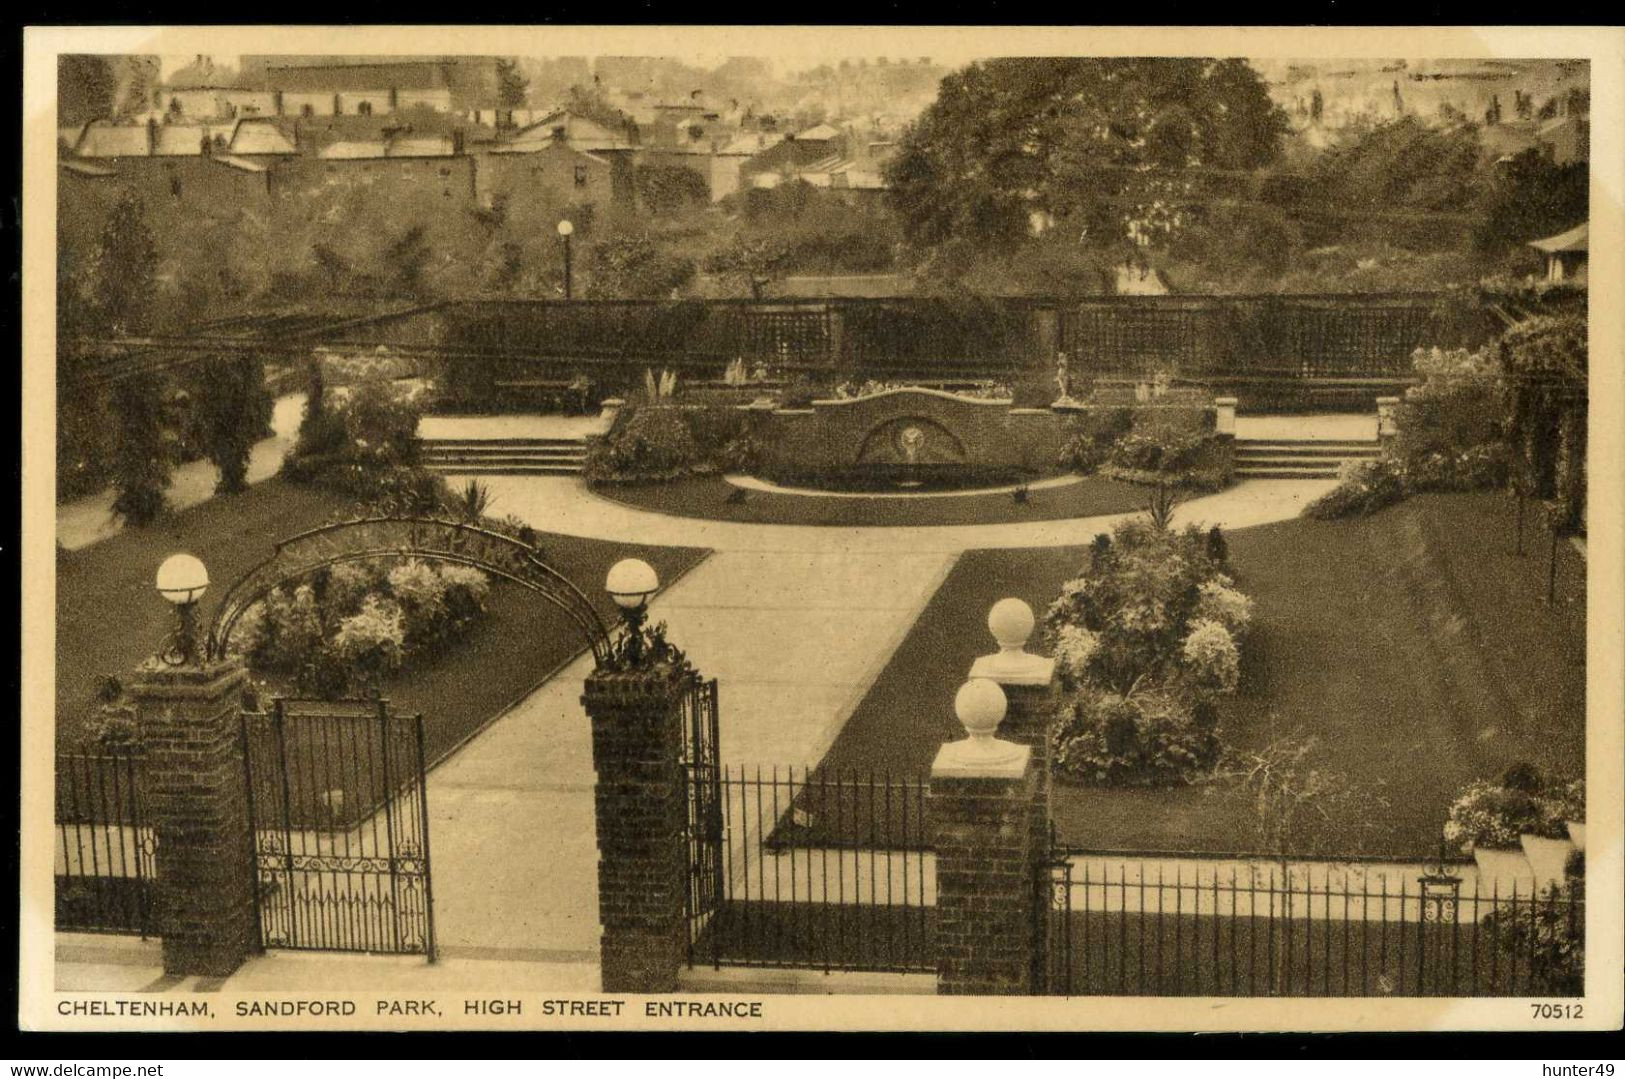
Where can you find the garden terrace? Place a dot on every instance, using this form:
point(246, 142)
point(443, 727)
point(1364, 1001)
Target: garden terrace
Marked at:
point(1412, 646)
point(109, 619)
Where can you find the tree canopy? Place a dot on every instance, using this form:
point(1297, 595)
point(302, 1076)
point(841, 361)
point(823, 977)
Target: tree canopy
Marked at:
point(1086, 142)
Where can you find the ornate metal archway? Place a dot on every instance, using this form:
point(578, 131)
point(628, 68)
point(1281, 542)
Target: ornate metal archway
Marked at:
point(415, 537)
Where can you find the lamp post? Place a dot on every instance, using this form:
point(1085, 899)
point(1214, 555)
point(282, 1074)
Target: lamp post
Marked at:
point(182, 579)
point(566, 230)
point(630, 583)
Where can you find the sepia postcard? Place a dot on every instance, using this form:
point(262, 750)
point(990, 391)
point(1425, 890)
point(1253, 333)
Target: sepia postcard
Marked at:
point(830, 528)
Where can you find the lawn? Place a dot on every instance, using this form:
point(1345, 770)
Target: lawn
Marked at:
point(109, 618)
point(708, 497)
point(1412, 646)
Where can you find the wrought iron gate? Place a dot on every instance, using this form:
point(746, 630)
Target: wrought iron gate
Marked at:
point(341, 827)
point(704, 826)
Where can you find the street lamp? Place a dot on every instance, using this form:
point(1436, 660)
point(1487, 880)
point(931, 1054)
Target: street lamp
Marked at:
point(565, 231)
point(630, 583)
point(182, 579)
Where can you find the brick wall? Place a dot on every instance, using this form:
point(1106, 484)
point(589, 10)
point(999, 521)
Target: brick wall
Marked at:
point(956, 429)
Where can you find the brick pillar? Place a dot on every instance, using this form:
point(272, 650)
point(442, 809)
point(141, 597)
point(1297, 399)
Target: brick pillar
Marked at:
point(980, 810)
point(637, 737)
point(197, 799)
point(1032, 694)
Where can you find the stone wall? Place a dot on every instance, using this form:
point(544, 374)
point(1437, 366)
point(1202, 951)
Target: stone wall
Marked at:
point(931, 427)
point(926, 427)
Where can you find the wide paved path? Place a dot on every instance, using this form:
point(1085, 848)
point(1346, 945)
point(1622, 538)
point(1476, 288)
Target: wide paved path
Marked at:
point(794, 621)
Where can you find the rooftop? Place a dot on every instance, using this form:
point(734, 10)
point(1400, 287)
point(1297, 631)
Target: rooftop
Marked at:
point(1575, 239)
point(338, 78)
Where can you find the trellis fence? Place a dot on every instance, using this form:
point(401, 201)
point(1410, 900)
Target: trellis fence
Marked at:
point(1290, 339)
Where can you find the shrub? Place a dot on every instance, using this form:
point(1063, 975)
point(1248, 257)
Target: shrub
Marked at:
point(114, 725)
point(1144, 639)
point(1219, 601)
point(1547, 937)
point(466, 589)
point(1158, 448)
point(345, 619)
point(1363, 487)
point(1211, 660)
point(649, 445)
point(1139, 595)
point(1074, 649)
point(1095, 434)
point(373, 639)
point(421, 593)
point(144, 450)
point(1150, 738)
point(282, 630)
point(367, 446)
point(1167, 454)
point(1522, 802)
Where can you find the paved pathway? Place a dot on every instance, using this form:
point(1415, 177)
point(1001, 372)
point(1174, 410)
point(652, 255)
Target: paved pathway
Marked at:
point(794, 621)
point(86, 520)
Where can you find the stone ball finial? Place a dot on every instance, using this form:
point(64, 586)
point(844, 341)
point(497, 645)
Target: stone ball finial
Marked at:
point(1011, 622)
point(980, 705)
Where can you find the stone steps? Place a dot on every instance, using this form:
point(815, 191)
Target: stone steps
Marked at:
point(1298, 458)
point(506, 457)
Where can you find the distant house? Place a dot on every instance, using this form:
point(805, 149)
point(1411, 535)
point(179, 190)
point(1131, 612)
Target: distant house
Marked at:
point(580, 159)
point(390, 168)
point(518, 172)
point(813, 150)
point(358, 89)
point(191, 163)
point(1566, 254)
point(729, 160)
point(255, 138)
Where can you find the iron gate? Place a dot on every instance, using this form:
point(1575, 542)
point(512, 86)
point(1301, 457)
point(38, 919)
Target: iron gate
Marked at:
point(340, 820)
point(704, 825)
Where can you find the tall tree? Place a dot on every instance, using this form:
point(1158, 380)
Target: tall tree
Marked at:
point(1086, 142)
point(1530, 197)
point(511, 84)
point(85, 86)
point(145, 455)
point(234, 402)
point(125, 268)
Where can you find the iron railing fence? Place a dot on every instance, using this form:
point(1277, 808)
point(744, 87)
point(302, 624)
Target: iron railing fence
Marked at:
point(105, 846)
point(1255, 930)
point(825, 870)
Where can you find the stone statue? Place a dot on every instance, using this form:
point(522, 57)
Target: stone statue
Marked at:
point(1063, 377)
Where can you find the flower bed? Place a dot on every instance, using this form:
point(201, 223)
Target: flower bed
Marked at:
point(1144, 640)
point(359, 618)
point(1498, 813)
point(1451, 437)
